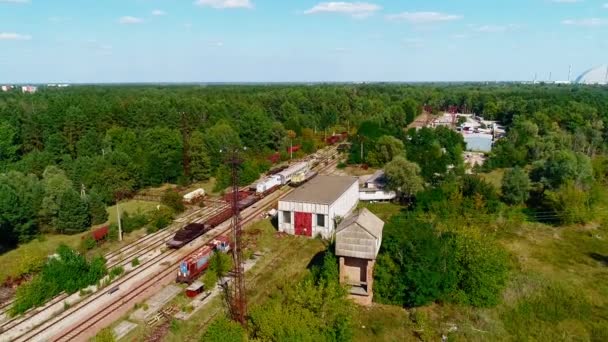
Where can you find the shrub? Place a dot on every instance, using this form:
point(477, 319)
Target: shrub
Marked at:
point(131, 222)
point(135, 262)
point(116, 272)
point(57, 275)
point(105, 335)
point(173, 200)
point(224, 330)
point(87, 243)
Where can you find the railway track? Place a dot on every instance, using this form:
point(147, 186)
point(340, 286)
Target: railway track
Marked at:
point(150, 281)
point(158, 242)
point(148, 245)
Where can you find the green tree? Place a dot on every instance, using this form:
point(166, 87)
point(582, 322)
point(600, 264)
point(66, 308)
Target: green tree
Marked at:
point(200, 163)
point(19, 203)
point(8, 146)
point(55, 183)
point(403, 176)
point(73, 213)
point(218, 138)
point(173, 200)
point(97, 208)
point(515, 186)
point(224, 330)
point(385, 150)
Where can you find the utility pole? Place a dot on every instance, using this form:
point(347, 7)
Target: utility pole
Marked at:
point(290, 149)
point(119, 223)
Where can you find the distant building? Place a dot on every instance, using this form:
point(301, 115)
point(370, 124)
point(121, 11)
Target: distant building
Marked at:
point(29, 89)
point(312, 209)
point(597, 75)
point(358, 240)
point(5, 88)
point(374, 189)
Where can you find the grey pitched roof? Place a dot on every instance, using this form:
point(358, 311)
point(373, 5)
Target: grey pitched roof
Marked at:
point(321, 190)
point(357, 235)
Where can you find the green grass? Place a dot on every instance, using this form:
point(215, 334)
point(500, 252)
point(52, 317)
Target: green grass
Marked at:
point(131, 207)
point(207, 185)
point(383, 210)
point(494, 178)
point(558, 291)
point(30, 256)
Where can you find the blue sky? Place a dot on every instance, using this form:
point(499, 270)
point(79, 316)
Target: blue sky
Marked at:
point(299, 40)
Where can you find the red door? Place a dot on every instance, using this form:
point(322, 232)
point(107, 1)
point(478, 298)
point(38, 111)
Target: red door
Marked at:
point(303, 224)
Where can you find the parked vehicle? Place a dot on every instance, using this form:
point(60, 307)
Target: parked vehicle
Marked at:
point(194, 196)
point(187, 234)
point(195, 264)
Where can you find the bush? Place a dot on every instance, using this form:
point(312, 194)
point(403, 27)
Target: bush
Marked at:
point(173, 200)
point(116, 272)
point(135, 262)
point(58, 275)
point(224, 330)
point(105, 335)
point(133, 222)
point(418, 265)
point(87, 243)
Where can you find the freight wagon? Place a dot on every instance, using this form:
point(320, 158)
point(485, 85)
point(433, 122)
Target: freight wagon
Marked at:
point(99, 234)
point(187, 234)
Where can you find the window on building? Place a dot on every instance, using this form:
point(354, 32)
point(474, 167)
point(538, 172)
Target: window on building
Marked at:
point(287, 217)
point(320, 220)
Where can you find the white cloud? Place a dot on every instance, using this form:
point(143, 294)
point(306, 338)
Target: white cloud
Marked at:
point(587, 22)
point(495, 28)
point(15, 1)
point(224, 3)
point(605, 5)
point(130, 20)
point(423, 17)
point(354, 9)
point(566, 1)
point(158, 13)
point(14, 36)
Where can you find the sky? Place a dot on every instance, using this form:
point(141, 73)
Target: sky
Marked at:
point(100, 41)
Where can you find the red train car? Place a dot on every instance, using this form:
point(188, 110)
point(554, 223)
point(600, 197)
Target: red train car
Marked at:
point(195, 264)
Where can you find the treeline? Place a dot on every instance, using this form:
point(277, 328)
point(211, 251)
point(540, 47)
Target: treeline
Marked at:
point(115, 140)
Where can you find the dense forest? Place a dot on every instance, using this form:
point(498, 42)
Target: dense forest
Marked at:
point(114, 140)
point(67, 153)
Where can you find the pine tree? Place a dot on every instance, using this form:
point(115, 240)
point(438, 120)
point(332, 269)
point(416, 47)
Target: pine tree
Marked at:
point(97, 209)
point(73, 213)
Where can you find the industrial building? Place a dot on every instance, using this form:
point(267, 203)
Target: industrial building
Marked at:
point(597, 75)
point(358, 240)
point(374, 189)
point(312, 209)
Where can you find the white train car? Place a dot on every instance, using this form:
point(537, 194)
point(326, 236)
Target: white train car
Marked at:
point(286, 175)
point(194, 195)
point(267, 184)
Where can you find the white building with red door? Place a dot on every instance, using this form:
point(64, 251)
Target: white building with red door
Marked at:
point(311, 210)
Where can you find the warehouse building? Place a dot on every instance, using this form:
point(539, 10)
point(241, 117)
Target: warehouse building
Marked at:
point(358, 240)
point(374, 189)
point(312, 209)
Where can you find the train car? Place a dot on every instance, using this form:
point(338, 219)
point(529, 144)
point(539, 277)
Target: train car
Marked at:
point(246, 202)
point(267, 183)
point(196, 263)
point(194, 196)
point(302, 178)
point(276, 170)
point(285, 175)
point(187, 234)
point(217, 219)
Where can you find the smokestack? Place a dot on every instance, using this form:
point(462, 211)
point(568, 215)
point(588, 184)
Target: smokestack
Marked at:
point(569, 72)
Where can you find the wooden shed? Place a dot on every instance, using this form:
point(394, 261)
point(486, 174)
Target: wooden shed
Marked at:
point(358, 240)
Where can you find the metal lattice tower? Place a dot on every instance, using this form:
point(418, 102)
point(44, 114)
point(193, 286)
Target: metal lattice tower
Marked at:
point(237, 297)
